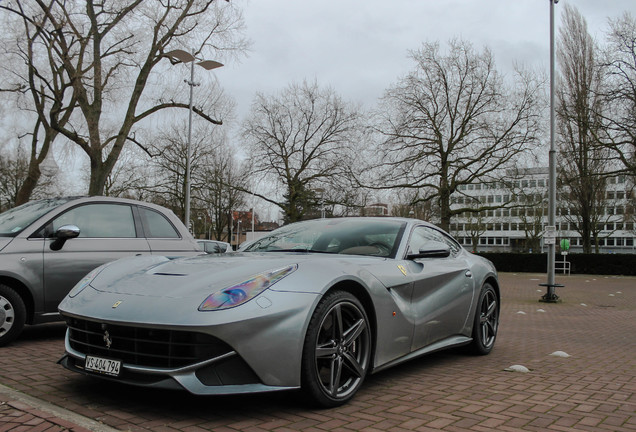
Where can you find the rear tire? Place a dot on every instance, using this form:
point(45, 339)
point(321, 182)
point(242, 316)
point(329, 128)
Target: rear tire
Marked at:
point(337, 350)
point(486, 321)
point(12, 314)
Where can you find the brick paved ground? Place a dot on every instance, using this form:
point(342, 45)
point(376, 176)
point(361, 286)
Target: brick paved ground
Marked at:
point(592, 390)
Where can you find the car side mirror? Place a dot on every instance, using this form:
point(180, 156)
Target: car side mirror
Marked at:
point(432, 249)
point(62, 234)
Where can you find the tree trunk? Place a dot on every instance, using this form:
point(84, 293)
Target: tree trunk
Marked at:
point(26, 189)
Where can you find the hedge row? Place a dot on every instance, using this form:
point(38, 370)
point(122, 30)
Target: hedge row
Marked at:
point(597, 264)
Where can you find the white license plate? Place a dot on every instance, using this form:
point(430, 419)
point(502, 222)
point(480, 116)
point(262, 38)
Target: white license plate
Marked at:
point(102, 365)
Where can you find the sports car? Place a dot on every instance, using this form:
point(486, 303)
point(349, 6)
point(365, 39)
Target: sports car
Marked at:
point(314, 305)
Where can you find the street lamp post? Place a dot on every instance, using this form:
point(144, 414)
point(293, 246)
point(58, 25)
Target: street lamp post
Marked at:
point(186, 57)
point(550, 296)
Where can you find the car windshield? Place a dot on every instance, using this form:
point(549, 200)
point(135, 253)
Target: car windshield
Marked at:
point(18, 218)
point(371, 237)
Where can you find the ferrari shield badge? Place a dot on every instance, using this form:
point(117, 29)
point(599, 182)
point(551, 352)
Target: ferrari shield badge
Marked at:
point(402, 269)
point(117, 303)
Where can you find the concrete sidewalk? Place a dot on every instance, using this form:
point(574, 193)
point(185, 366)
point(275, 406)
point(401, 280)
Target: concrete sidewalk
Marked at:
point(592, 389)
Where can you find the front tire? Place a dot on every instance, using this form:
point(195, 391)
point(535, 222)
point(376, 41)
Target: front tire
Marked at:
point(12, 314)
point(337, 350)
point(486, 321)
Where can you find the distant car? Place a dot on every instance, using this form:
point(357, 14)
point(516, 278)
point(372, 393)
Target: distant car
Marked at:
point(315, 305)
point(47, 246)
point(214, 246)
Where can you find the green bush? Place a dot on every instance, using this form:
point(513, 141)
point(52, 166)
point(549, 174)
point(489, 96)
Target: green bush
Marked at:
point(599, 264)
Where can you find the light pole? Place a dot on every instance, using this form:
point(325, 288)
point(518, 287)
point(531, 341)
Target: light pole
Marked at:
point(186, 57)
point(550, 296)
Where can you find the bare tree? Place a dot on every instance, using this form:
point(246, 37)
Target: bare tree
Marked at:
point(130, 176)
point(225, 179)
point(476, 226)
point(620, 67)
point(584, 162)
point(48, 88)
point(168, 165)
point(12, 174)
point(453, 120)
point(98, 49)
point(302, 140)
point(14, 169)
point(531, 221)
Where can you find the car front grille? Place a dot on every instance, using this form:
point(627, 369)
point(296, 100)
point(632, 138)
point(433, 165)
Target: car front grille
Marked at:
point(143, 346)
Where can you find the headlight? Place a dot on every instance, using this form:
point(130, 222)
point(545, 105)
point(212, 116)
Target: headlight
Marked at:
point(85, 281)
point(245, 291)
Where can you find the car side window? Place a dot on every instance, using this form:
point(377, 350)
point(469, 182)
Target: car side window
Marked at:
point(423, 234)
point(99, 220)
point(156, 224)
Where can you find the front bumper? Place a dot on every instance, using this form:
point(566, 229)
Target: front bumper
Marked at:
point(256, 347)
point(226, 374)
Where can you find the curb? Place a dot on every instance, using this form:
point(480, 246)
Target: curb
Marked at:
point(57, 415)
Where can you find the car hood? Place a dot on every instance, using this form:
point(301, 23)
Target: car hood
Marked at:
point(204, 274)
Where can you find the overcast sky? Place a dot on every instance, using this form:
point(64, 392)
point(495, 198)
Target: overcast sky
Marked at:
point(360, 47)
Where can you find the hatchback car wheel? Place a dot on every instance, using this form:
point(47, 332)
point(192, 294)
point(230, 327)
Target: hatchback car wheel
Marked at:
point(337, 350)
point(12, 314)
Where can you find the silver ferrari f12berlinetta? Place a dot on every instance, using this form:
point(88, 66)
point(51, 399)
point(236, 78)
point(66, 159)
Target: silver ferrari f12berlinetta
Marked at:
point(315, 305)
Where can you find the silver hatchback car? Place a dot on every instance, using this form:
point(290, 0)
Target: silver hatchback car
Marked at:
point(47, 246)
